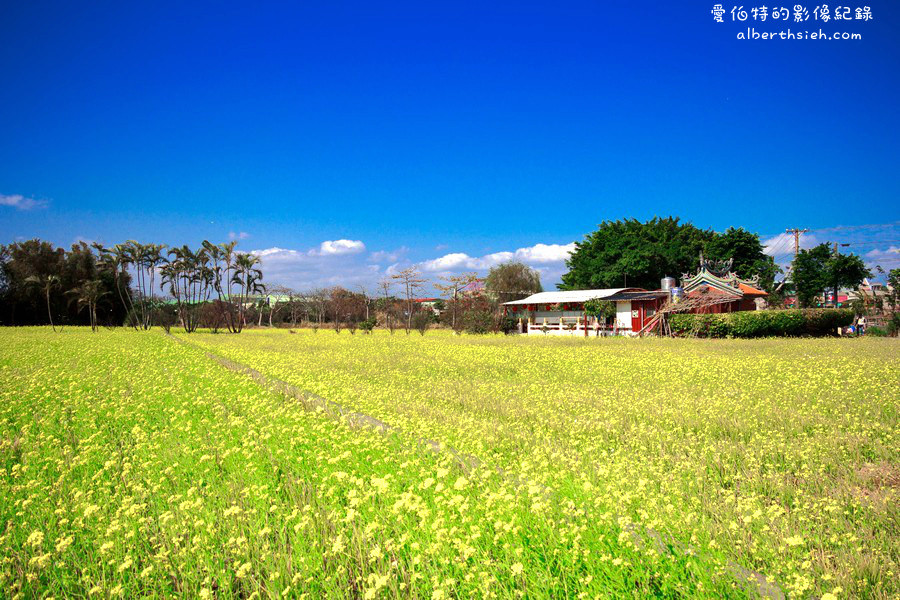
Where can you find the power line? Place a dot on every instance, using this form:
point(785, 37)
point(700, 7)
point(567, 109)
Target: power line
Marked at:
point(874, 243)
point(796, 232)
point(778, 248)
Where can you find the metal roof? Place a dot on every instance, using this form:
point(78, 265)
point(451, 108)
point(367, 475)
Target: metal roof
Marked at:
point(644, 295)
point(572, 296)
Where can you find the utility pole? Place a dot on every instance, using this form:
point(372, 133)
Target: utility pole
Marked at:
point(836, 290)
point(796, 233)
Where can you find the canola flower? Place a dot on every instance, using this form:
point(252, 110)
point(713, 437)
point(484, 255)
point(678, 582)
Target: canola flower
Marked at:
point(778, 455)
point(133, 466)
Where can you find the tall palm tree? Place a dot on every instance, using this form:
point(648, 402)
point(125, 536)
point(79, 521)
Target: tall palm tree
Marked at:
point(189, 277)
point(47, 283)
point(87, 295)
point(145, 258)
point(229, 256)
point(248, 277)
point(115, 260)
point(219, 259)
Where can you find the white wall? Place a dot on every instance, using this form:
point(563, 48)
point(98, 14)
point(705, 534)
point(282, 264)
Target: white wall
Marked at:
point(623, 315)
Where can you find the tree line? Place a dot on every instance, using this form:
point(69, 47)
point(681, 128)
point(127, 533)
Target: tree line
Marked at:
point(217, 287)
point(397, 304)
point(631, 253)
point(132, 284)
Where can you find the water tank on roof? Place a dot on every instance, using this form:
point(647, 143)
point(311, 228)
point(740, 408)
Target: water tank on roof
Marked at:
point(667, 283)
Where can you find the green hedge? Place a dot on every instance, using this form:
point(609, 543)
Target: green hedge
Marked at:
point(763, 323)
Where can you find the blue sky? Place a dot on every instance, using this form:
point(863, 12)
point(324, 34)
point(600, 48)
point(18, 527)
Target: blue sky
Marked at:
point(342, 140)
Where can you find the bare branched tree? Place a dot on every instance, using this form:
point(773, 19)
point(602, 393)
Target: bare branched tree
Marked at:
point(451, 290)
point(410, 281)
point(277, 303)
point(384, 286)
point(319, 303)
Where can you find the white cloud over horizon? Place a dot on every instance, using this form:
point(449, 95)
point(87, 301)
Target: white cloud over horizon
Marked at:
point(887, 259)
point(20, 202)
point(382, 256)
point(350, 264)
point(782, 245)
point(241, 235)
point(344, 263)
point(337, 247)
point(539, 254)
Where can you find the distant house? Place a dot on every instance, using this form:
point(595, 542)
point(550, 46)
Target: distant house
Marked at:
point(429, 303)
point(562, 313)
point(872, 294)
point(269, 299)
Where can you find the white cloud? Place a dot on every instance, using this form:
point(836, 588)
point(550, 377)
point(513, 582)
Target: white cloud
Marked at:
point(539, 254)
point(344, 263)
point(382, 256)
point(319, 267)
point(489, 260)
point(545, 253)
point(886, 259)
point(448, 262)
point(336, 247)
point(275, 253)
point(460, 261)
point(241, 235)
point(782, 245)
point(20, 202)
point(547, 259)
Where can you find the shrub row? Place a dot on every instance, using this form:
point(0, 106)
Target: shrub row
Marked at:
point(763, 323)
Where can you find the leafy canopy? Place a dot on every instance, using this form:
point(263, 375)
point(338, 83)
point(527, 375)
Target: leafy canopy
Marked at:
point(747, 252)
point(629, 253)
point(819, 268)
point(512, 281)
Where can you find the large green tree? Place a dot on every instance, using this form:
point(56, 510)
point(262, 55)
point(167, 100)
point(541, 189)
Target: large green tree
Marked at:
point(29, 297)
point(893, 280)
point(22, 302)
point(818, 269)
point(809, 273)
point(846, 270)
point(635, 254)
point(745, 249)
point(512, 280)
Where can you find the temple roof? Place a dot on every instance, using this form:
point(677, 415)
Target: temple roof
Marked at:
point(717, 275)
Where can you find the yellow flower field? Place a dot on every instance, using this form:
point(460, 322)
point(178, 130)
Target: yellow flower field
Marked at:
point(133, 465)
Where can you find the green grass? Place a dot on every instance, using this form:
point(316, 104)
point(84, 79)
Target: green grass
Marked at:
point(133, 465)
